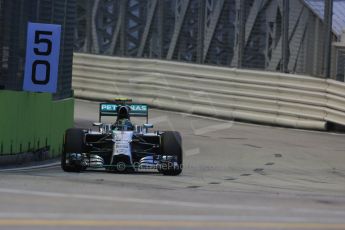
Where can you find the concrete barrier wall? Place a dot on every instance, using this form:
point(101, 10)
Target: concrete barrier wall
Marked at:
point(257, 96)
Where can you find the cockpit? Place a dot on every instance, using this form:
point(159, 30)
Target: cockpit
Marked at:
point(123, 122)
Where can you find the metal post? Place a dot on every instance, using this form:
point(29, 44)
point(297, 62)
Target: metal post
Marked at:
point(123, 30)
point(285, 37)
point(160, 22)
point(241, 32)
point(201, 32)
point(328, 14)
point(88, 35)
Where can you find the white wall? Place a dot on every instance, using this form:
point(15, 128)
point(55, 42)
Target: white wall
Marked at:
point(257, 96)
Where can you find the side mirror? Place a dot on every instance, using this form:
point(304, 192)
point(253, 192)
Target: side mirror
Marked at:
point(148, 126)
point(97, 124)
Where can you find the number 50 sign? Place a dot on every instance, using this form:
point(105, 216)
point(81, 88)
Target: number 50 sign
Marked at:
point(42, 57)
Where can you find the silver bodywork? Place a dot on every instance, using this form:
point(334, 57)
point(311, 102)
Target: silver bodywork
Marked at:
point(122, 140)
point(148, 162)
point(95, 161)
point(122, 145)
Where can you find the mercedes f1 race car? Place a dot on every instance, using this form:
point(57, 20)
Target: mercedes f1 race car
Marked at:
point(122, 146)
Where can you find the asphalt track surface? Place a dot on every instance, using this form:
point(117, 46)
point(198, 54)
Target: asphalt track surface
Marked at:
point(236, 176)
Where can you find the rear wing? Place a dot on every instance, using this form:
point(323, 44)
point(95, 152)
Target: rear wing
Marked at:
point(136, 110)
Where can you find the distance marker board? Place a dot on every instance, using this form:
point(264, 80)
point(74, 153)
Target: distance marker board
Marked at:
point(42, 57)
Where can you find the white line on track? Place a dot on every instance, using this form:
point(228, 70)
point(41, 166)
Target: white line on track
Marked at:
point(159, 217)
point(133, 200)
point(31, 167)
point(209, 206)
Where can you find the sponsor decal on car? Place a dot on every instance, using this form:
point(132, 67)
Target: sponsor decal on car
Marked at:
point(138, 107)
point(108, 107)
point(134, 107)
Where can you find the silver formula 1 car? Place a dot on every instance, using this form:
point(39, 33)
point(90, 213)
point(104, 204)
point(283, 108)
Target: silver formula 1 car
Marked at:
point(122, 146)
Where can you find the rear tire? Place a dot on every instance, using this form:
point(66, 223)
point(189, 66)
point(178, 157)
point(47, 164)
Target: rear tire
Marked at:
point(74, 143)
point(172, 146)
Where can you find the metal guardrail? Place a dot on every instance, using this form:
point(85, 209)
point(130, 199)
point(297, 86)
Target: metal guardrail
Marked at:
point(265, 97)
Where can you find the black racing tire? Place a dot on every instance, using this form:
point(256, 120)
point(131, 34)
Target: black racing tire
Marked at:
point(74, 143)
point(171, 143)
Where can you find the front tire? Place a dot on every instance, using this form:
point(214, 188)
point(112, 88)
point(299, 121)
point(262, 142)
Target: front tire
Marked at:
point(74, 143)
point(171, 143)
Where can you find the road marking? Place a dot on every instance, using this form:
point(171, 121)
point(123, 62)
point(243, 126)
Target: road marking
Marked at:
point(192, 152)
point(263, 217)
point(166, 224)
point(213, 128)
point(31, 167)
point(133, 200)
point(175, 203)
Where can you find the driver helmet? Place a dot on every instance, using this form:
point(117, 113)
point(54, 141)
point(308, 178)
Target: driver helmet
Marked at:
point(123, 113)
point(123, 117)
